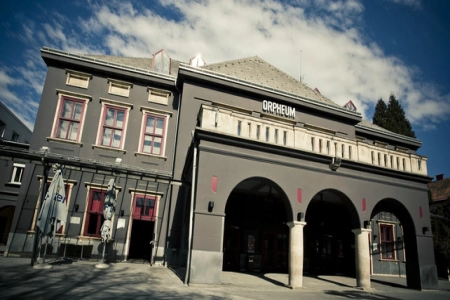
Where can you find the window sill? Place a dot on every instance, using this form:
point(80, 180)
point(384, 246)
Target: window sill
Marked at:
point(57, 140)
point(389, 260)
point(83, 237)
point(150, 155)
point(15, 184)
point(109, 148)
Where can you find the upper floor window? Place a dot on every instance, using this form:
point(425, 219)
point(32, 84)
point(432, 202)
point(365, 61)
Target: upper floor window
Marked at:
point(69, 120)
point(17, 173)
point(158, 96)
point(161, 62)
point(78, 79)
point(153, 133)
point(15, 137)
point(239, 127)
point(276, 136)
point(113, 123)
point(284, 137)
point(258, 131)
point(267, 133)
point(2, 128)
point(120, 88)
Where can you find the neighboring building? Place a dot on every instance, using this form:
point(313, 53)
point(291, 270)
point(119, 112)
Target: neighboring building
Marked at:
point(13, 133)
point(229, 166)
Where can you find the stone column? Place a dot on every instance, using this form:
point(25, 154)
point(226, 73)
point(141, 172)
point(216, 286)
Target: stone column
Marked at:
point(362, 257)
point(296, 254)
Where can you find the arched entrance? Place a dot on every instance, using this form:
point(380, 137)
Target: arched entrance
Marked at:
point(6, 216)
point(394, 239)
point(256, 236)
point(329, 244)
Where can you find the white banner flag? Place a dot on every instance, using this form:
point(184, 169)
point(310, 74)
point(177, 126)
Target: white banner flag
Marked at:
point(53, 213)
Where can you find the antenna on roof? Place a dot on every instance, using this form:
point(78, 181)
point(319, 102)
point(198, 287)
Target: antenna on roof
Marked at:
point(301, 76)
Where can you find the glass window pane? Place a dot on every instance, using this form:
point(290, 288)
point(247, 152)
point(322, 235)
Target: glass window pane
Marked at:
point(67, 109)
point(150, 124)
point(159, 126)
point(117, 137)
point(109, 118)
point(73, 134)
point(157, 145)
point(106, 138)
point(93, 224)
point(147, 144)
point(120, 117)
point(78, 109)
point(62, 129)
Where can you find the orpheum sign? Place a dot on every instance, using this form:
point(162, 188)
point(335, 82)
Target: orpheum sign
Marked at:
point(278, 109)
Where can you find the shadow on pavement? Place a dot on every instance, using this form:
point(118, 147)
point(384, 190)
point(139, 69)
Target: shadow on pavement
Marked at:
point(359, 295)
point(392, 284)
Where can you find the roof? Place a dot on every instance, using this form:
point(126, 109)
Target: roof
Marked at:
point(440, 190)
point(257, 70)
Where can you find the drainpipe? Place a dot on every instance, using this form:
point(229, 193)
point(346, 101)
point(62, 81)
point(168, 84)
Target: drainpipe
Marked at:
point(191, 211)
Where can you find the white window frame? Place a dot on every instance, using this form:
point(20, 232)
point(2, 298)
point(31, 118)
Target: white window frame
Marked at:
point(159, 113)
point(118, 104)
point(17, 168)
point(76, 96)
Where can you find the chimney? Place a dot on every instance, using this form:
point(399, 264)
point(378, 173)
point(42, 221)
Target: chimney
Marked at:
point(439, 177)
point(197, 61)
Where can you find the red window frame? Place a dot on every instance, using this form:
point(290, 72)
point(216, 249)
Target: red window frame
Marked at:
point(71, 120)
point(114, 127)
point(152, 135)
point(387, 241)
point(94, 213)
point(144, 207)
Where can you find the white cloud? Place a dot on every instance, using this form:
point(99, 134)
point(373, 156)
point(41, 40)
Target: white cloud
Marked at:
point(335, 55)
point(412, 3)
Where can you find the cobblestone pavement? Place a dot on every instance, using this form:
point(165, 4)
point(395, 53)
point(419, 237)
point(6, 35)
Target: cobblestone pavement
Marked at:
point(82, 280)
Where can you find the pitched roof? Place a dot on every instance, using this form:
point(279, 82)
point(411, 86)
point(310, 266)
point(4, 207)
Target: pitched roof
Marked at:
point(440, 190)
point(257, 70)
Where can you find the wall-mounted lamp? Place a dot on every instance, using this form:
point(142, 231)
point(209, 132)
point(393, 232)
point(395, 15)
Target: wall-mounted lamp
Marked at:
point(299, 216)
point(335, 163)
point(122, 212)
point(210, 206)
point(77, 207)
point(425, 229)
point(367, 224)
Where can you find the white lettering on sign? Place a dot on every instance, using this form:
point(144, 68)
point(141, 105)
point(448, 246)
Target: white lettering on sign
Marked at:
point(278, 109)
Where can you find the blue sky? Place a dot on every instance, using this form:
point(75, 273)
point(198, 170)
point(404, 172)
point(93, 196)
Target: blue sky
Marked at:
point(357, 50)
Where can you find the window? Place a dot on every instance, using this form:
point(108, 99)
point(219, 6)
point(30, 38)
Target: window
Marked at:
point(120, 88)
point(387, 241)
point(2, 128)
point(15, 137)
point(249, 129)
point(373, 157)
point(276, 136)
point(312, 144)
point(78, 79)
point(350, 152)
point(144, 207)
point(267, 133)
point(158, 96)
point(385, 160)
point(284, 137)
point(343, 150)
point(17, 173)
point(70, 117)
point(239, 128)
point(94, 213)
point(379, 158)
point(398, 163)
point(419, 163)
point(153, 133)
point(320, 145)
point(258, 131)
point(327, 149)
point(112, 131)
point(392, 161)
point(161, 62)
point(404, 164)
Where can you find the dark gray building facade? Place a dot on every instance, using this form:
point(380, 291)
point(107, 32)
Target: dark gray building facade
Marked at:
point(232, 166)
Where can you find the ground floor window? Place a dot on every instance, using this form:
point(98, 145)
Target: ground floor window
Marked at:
point(94, 213)
point(387, 241)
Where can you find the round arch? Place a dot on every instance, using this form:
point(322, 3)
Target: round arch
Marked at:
point(329, 243)
point(256, 235)
point(404, 241)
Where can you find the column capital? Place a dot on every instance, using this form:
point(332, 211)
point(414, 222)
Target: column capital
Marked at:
point(361, 230)
point(295, 223)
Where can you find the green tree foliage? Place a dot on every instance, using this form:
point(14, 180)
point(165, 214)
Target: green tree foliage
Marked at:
point(392, 117)
point(379, 116)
